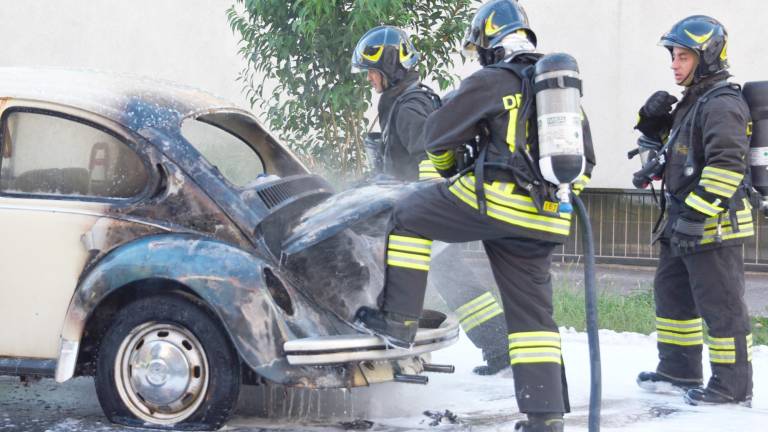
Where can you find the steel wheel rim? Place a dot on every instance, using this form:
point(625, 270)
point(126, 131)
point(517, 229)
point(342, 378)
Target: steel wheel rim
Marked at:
point(161, 373)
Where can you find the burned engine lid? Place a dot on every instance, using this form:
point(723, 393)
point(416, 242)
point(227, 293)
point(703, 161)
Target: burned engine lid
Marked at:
point(335, 252)
point(344, 210)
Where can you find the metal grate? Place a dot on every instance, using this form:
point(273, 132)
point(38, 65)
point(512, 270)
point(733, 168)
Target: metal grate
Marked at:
point(276, 194)
point(622, 225)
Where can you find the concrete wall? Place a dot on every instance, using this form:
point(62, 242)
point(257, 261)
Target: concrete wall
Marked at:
point(189, 41)
point(615, 42)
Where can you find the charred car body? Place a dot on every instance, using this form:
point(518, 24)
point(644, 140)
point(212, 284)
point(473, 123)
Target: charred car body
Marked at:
point(161, 240)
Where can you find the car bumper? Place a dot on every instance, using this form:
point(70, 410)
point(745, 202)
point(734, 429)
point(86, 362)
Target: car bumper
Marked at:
point(325, 350)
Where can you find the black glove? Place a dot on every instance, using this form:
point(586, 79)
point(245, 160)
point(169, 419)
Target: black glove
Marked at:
point(655, 118)
point(658, 105)
point(686, 235)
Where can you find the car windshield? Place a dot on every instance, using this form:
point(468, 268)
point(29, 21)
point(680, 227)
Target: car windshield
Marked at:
point(232, 156)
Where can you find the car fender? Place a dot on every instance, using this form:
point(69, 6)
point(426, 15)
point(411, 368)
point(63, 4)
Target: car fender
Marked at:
point(229, 279)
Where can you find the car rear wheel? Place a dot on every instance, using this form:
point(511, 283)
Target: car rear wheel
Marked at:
point(166, 363)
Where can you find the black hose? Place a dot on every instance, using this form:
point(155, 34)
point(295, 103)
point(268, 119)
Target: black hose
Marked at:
point(590, 295)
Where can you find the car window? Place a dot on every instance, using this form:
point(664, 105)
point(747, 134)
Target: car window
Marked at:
point(234, 158)
point(49, 155)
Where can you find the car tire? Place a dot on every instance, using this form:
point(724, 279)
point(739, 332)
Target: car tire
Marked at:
point(166, 363)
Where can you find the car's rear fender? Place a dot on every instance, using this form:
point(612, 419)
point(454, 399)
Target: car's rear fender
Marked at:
point(229, 280)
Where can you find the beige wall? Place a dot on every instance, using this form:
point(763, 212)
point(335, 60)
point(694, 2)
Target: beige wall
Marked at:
point(189, 41)
point(615, 44)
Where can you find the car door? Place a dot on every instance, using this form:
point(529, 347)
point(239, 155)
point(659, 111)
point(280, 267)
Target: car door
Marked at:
point(59, 173)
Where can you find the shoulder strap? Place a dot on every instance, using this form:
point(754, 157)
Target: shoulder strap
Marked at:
point(720, 89)
point(413, 91)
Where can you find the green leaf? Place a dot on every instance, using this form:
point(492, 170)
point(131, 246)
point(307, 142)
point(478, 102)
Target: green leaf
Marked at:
point(302, 50)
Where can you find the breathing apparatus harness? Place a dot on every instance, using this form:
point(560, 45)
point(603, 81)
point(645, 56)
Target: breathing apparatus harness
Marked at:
point(521, 167)
point(377, 145)
point(655, 165)
point(524, 170)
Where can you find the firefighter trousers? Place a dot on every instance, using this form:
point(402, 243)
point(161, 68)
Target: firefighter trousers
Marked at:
point(460, 285)
point(709, 285)
point(520, 267)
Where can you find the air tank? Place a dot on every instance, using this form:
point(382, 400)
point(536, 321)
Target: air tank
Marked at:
point(557, 85)
point(756, 95)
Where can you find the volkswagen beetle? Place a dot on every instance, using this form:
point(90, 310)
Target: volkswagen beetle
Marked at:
point(162, 241)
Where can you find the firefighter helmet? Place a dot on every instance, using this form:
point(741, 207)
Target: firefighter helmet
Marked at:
point(706, 37)
point(386, 49)
point(492, 23)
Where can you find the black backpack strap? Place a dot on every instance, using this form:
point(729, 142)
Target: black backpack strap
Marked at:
point(413, 91)
point(523, 166)
point(720, 89)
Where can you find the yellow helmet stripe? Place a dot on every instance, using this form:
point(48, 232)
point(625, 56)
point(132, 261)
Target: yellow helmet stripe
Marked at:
point(375, 56)
point(403, 56)
point(700, 38)
point(490, 28)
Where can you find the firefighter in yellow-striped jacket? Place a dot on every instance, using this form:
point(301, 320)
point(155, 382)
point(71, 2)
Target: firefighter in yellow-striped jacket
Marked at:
point(519, 229)
point(389, 58)
point(701, 268)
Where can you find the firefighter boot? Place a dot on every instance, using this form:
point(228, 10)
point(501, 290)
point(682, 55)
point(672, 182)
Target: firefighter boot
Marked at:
point(660, 383)
point(493, 365)
point(552, 422)
point(395, 329)
point(708, 396)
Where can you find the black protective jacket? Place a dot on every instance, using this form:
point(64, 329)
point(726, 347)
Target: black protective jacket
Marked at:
point(491, 99)
point(403, 109)
point(706, 163)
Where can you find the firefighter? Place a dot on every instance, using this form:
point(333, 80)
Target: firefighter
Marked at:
point(389, 58)
point(491, 204)
point(701, 271)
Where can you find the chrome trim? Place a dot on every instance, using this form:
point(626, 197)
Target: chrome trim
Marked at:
point(76, 211)
point(361, 347)
point(65, 367)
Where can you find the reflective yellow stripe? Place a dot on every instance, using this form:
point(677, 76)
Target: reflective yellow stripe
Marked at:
point(535, 355)
point(742, 217)
point(512, 104)
point(535, 222)
point(399, 262)
point(689, 325)
point(718, 188)
point(506, 214)
point(483, 298)
point(545, 339)
point(429, 176)
point(442, 162)
point(408, 260)
point(512, 129)
point(722, 175)
point(427, 170)
point(477, 303)
point(481, 316)
point(699, 204)
point(580, 182)
point(519, 202)
point(533, 334)
point(746, 230)
point(725, 357)
point(682, 339)
point(721, 343)
point(408, 247)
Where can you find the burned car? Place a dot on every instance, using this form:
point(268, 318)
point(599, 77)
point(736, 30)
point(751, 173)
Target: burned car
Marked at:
point(160, 240)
